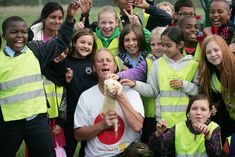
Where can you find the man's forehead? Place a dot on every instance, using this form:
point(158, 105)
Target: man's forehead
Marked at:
point(104, 55)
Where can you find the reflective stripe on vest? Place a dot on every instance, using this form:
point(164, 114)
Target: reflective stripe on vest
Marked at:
point(188, 144)
point(22, 94)
point(217, 87)
point(197, 54)
point(113, 46)
point(54, 96)
point(215, 84)
point(173, 103)
point(149, 102)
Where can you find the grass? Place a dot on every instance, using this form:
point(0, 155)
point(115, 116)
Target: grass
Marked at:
point(32, 13)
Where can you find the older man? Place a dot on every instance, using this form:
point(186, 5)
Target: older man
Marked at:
point(97, 128)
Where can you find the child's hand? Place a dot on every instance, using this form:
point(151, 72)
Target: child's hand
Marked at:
point(207, 31)
point(80, 25)
point(141, 4)
point(132, 18)
point(56, 129)
point(72, 10)
point(69, 75)
point(203, 128)
point(176, 83)
point(160, 127)
point(127, 82)
point(124, 68)
point(85, 6)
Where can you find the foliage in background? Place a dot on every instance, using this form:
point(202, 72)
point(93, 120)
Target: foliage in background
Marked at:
point(95, 2)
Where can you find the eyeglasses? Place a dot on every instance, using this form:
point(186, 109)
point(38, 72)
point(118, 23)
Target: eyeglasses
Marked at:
point(187, 14)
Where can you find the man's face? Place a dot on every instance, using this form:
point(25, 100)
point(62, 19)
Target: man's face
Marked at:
point(104, 64)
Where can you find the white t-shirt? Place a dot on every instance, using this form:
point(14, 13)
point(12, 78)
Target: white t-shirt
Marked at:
point(88, 112)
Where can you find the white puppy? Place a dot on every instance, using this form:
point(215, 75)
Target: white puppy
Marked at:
point(109, 102)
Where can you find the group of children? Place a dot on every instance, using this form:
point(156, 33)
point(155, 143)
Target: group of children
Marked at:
point(161, 54)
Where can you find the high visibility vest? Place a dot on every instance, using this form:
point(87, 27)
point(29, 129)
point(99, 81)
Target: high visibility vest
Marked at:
point(113, 46)
point(188, 144)
point(230, 103)
point(54, 96)
point(21, 88)
point(143, 18)
point(119, 62)
point(173, 103)
point(197, 54)
point(149, 102)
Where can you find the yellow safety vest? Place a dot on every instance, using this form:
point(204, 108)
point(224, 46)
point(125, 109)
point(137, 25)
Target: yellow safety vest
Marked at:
point(149, 102)
point(173, 103)
point(144, 18)
point(230, 103)
point(197, 54)
point(54, 96)
point(113, 46)
point(21, 88)
point(187, 145)
point(118, 62)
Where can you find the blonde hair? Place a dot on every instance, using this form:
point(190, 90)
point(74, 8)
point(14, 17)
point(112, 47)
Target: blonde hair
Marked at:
point(164, 3)
point(111, 10)
point(155, 32)
point(103, 49)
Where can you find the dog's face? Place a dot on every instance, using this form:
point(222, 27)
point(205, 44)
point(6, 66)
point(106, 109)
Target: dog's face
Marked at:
point(110, 85)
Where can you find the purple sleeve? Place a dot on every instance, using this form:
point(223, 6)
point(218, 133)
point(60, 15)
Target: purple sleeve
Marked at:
point(213, 146)
point(138, 73)
point(165, 143)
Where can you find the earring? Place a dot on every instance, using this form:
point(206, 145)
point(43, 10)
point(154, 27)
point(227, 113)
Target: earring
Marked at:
point(188, 117)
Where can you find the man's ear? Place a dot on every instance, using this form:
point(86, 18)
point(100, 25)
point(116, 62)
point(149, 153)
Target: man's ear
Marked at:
point(116, 69)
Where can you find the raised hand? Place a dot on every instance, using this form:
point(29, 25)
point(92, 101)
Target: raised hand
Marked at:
point(80, 25)
point(72, 10)
point(132, 18)
point(85, 6)
point(160, 127)
point(141, 4)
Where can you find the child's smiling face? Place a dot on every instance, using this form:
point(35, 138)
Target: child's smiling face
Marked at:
point(219, 13)
point(16, 35)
